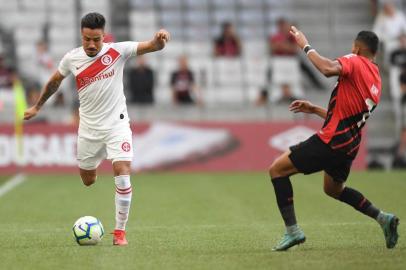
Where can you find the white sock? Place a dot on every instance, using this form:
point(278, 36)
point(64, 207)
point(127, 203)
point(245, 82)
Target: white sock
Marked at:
point(292, 229)
point(123, 200)
point(381, 218)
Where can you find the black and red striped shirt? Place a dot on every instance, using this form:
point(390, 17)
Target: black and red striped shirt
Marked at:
point(355, 96)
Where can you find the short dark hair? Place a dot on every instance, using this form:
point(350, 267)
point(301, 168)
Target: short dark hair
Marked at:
point(93, 20)
point(369, 39)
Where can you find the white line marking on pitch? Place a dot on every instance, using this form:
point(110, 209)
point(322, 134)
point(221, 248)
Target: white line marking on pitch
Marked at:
point(12, 183)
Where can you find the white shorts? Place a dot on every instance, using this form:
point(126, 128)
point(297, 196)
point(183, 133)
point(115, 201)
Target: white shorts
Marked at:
point(94, 146)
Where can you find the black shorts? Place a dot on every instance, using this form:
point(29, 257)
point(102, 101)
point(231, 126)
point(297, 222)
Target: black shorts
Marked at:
point(313, 155)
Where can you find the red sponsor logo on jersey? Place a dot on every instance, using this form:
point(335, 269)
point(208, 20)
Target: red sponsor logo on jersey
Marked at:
point(126, 147)
point(94, 72)
point(85, 81)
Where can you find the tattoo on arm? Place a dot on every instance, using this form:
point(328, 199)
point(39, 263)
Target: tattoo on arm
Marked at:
point(50, 88)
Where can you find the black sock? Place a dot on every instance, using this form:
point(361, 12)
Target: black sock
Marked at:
point(359, 202)
point(284, 198)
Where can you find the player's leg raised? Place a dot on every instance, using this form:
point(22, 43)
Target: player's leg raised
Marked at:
point(89, 154)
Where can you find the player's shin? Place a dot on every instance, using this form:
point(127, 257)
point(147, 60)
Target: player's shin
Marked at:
point(359, 202)
point(122, 200)
point(284, 197)
point(389, 222)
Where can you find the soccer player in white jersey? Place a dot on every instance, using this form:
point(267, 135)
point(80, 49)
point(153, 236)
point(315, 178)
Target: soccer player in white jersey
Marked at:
point(104, 129)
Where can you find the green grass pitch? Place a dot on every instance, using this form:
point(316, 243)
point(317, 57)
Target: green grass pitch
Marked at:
point(4, 178)
point(199, 221)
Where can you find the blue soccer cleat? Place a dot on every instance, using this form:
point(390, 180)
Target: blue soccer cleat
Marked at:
point(289, 240)
point(390, 230)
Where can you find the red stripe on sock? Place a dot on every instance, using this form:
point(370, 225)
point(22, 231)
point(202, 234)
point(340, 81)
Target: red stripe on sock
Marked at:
point(123, 189)
point(122, 193)
point(362, 202)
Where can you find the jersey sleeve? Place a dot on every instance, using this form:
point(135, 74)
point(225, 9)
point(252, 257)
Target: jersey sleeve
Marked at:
point(64, 65)
point(127, 48)
point(347, 64)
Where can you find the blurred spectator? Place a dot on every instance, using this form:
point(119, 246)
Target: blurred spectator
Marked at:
point(184, 90)
point(397, 73)
point(45, 69)
point(45, 64)
point(262, 98)
point(33, 93)
point(399, 160)
point(6, 85)
point(141, 82)
point(59, 99)
point(397, 66)
point(389, 25)
point(6, 76)
point(282, 42)
point(374, 7)
point(377, 4)
point(228, 43)
point(285, 65)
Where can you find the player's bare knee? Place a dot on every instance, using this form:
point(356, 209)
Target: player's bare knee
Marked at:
point(89, 181)
point(332, 191)
point(122, 168)
point(274, 170)
point(88, 177)
point(328, 191)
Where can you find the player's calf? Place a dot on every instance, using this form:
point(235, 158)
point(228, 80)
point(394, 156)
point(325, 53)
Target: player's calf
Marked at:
point(333, 189)
point(88, 177)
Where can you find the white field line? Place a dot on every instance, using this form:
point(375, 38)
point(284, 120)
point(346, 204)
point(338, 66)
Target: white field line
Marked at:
point(12, 183)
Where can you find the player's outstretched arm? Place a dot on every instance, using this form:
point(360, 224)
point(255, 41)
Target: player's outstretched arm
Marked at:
point(156, 44)
point(326, 66)
point(305, 106)
point(49, 89)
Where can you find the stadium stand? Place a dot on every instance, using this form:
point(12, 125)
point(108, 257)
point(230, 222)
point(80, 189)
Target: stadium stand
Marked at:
point(193, 25)
point(228, 85)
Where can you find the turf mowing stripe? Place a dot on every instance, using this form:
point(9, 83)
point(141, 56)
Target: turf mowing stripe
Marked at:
point(12, 183)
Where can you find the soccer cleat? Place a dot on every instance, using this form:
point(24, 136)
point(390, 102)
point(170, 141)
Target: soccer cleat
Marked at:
point(119, 238)
point(390, 230)
point(290, 240)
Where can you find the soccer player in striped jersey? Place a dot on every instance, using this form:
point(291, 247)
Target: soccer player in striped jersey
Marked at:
point(336, 144)
point(104, 128)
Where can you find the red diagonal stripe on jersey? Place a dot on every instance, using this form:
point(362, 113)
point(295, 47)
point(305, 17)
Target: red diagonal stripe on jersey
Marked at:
point(346, 143)
point(352, 150)
point(95, 68)
point(346, 129)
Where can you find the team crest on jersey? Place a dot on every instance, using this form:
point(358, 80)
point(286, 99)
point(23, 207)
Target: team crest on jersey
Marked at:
point(106, 60)
point(98, 70)
point(374, 90)
point(126, 146)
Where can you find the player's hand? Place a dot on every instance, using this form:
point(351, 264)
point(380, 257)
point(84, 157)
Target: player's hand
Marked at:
point(300, 38)
point(30, 113)
point(303, 106)
point(160, 38)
